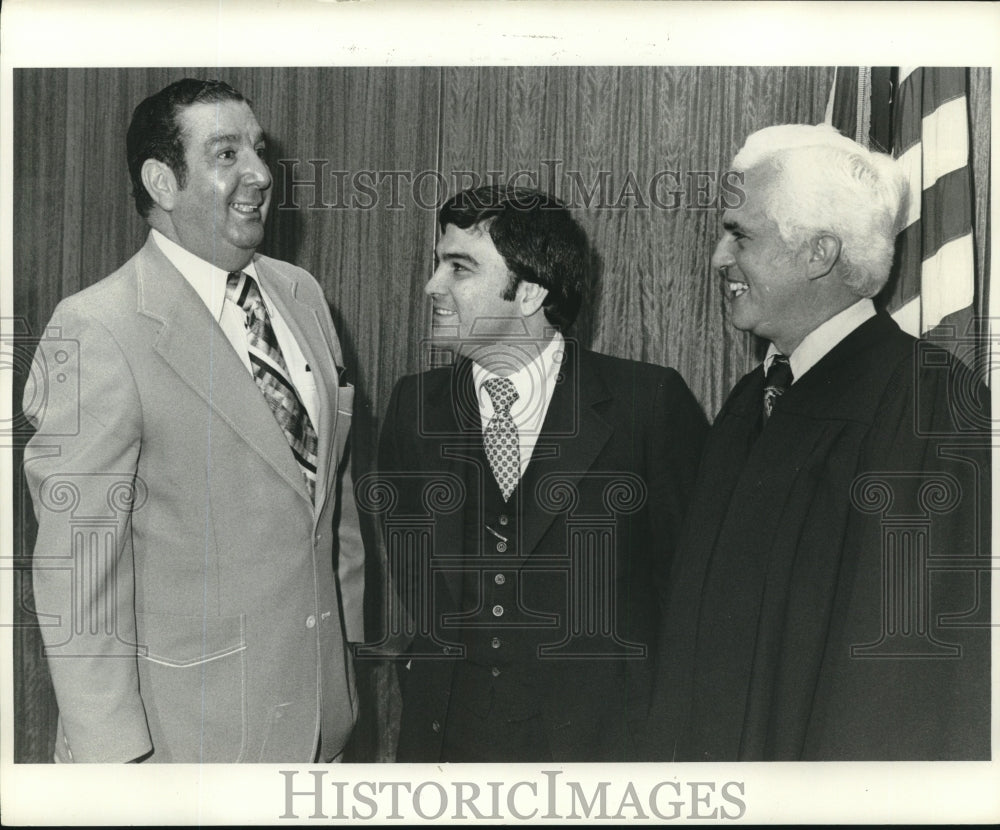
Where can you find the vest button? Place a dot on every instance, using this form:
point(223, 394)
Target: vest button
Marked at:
point(501, 547)
point(499, 579)
point(495, 642)
point(495, 671)
point(497, 610)
point(436, 726)
point(504, 520)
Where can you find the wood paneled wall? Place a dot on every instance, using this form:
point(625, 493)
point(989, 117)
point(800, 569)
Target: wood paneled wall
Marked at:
point(621, 145)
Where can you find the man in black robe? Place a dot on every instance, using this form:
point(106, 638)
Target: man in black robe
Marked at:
point(830, 597)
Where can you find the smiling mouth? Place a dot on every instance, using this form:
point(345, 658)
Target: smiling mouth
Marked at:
point(736, 289)
point(245, 208)
point(444, 312)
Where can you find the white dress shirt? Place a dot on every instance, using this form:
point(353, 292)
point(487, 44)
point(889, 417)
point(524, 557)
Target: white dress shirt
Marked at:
point(534, 382)
point(210, 284)
point(822, 339)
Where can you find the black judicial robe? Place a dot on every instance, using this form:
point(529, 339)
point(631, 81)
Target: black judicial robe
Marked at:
point(611, 472)
point(830, 598)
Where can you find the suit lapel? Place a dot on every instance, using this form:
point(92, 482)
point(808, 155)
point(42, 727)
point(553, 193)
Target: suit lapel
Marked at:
point(450, 419)
point(304, 324)
point(192, 343)
point(573, 435)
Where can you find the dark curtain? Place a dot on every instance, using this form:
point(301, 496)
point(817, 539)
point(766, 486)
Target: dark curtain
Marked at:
point(360, 158)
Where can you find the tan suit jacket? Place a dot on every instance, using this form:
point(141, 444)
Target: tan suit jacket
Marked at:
point(193, 600)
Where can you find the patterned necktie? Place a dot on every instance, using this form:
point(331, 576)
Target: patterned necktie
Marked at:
point(271, 375)
point(779, 378)
point(500, 437)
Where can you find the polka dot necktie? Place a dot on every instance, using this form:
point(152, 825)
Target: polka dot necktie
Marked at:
point(778, 379)
point(271, 375)
point(500, 436)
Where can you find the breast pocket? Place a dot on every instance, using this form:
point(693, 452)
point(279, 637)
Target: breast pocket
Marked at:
point(192, 676)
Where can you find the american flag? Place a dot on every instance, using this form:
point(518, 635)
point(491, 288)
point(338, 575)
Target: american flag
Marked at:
point(921, 114)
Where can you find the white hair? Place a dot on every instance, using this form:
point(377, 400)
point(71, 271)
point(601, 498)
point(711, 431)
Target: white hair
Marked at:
point(826, 182)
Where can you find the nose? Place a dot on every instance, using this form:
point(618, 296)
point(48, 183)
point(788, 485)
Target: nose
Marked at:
point(257, 173)
point(722, 256)
point(436, 284)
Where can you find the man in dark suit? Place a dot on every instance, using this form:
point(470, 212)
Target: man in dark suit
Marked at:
point(536, 491)
point(830, 596)
point(195, 592)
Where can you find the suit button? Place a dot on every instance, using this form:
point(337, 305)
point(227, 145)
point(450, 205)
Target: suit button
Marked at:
point(497, 610)
point(499, 579)
point(310, 621)
point(501, 547)
point(495, 642)
point(495, 671)
point(504, 521)
point(436, 726)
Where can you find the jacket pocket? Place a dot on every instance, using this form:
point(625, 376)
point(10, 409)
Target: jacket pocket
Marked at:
point(192, 680)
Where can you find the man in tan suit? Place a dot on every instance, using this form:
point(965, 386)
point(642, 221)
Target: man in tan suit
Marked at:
point(198, 571)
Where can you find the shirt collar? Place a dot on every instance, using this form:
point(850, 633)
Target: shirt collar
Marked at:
point(533, 381)
point(206, 279)
point(822, 339)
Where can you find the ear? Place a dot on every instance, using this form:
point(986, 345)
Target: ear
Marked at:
point(824, 251)
point(531, 297)
point(160, 183)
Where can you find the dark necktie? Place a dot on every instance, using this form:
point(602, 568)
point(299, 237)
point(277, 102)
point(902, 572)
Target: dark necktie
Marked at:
point(779, 378)
point(271, 375)
point(500, 437)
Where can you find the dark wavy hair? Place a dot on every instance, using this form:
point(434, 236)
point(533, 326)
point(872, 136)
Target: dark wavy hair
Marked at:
point(537, 237)
point(156, 134)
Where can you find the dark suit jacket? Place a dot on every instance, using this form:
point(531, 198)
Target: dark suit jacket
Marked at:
point(806, 620)
point(618, 451)
point(203, 619)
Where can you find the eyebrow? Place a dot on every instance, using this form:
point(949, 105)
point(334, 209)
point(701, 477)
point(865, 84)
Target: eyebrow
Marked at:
point(730, 225)
point(230, 138)
point(456, 257)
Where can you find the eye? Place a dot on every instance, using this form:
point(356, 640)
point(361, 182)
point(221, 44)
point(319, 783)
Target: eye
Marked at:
point(227, 155)
point(261, 152)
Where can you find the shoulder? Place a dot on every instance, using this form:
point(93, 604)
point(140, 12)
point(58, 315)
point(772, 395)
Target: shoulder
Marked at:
point(619, 371)
point(107, 301)
point(307, 286)
point(425, 385)
point(287, 269)
point(947, 391)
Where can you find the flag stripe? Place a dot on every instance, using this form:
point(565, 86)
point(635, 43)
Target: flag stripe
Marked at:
point(934, 274)
point(946, 286)
point(909, 258)
point(927, 90)
point(913, 165)
point(908, 116)
point(945, 140)
point(946, 211)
